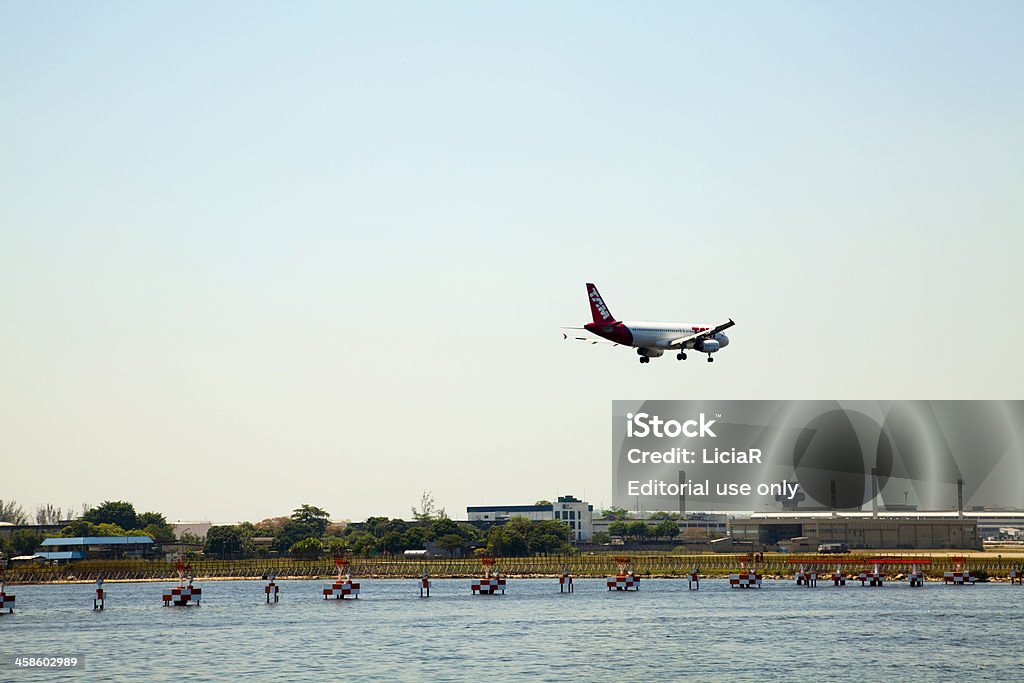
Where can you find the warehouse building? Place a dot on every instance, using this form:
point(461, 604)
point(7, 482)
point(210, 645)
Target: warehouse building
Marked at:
point(892, 530)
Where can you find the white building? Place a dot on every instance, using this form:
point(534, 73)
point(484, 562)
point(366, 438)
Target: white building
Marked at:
point(577, 514)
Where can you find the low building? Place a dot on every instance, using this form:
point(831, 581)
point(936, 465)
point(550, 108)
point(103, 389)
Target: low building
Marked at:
point(859, 530)
point(196, 529)
point(693, 525)
point(577, 514)
point(97, 547)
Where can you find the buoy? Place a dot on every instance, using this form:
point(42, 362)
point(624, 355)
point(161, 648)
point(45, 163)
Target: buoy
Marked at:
point(6, 600)
point(424, 584)
point(871, 578)
point(693, 582)
point(625, 580)
point(183, 594)
point(747, 577)
point(343, 586)
point(808, 578)
point(488, 585)
point(960, 576)
point(272, 589)
point(838, 578)
point(565, 581)
point(97, 602)
point(916, 577)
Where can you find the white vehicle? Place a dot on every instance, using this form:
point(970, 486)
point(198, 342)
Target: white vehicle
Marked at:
point(650, 339)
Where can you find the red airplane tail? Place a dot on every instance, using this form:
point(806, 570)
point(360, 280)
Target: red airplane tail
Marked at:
point(598, 308)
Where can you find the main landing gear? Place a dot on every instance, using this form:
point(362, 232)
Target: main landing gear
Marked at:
point(710, 358)
point(681, 355)
point(645, 359)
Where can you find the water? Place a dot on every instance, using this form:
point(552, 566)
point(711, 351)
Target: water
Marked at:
point(662, 632)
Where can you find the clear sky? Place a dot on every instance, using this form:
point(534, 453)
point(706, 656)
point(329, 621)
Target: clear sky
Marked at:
point(259, 254)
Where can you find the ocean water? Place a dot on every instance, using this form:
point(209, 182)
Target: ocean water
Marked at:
point(662, 632)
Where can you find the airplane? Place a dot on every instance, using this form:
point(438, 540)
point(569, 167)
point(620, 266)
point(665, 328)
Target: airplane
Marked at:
point(651, 340)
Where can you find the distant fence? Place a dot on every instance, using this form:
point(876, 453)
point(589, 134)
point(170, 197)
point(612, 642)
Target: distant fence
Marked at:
point(591, 564)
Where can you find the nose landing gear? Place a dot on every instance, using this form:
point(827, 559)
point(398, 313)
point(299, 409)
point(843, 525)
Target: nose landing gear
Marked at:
point(681, 355)
point(711, 358)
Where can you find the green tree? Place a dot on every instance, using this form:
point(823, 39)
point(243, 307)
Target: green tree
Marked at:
point(444, 527)
point(602, 538)
point(113, 512)
point(307, 549)
point(661, 514)
point(639, 530)
point(666, 528)
point(224, 542)
point(110, 529)
point(24, 542)
point(615, 513)
point(376, 525)
point(313, 517)
point(543, 502)
point(506, 540)
point(619, 529)
point(450, 543)
point(77, 528)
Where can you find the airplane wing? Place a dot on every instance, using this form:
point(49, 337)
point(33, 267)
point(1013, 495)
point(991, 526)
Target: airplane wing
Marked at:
point(700, 336)
point(589, 339)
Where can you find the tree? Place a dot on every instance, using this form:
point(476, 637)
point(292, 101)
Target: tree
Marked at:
point(639, 530)
point(113, 512)
point(25, 542)
point(428, 509)
point(602, 538)
point(12, 512)
point(313, 517)
point(107, 529)
point(543, 502)
point(307, 549)
point(450, 543)
point(223, 542)
point(78, 528)
point(376, 525)
point(506, 541)
point(661, 514)
point(619, 529)
point(615, 513)
point(47, 515)
point(666, 528)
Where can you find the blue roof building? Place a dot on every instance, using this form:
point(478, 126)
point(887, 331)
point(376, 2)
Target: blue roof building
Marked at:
point(96, 547)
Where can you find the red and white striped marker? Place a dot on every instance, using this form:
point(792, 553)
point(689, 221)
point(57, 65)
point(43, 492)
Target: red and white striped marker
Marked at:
point(272, 589)
point(343, 586)
point(565, 583)
point(838, 578)
point(806, 577)
point(488, 585)
point(624, 582)
point(97, 602)
point(871, 578)
point(183, 594)
point(745, 579)
point(958, 578)
point(424, 584)
point(916, 577)
point(6, 600)
point(693, 581)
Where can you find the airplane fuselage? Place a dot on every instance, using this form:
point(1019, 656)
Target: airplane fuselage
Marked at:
point(652, 335)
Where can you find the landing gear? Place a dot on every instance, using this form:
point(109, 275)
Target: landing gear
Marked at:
point(711, 358)
point(681, 355)
point(645, 359)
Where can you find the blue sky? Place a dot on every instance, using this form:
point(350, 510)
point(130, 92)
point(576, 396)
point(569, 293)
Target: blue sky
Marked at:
point(319, 252)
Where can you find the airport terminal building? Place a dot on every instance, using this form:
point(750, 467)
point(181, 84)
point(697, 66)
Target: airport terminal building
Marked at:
point(891, 530)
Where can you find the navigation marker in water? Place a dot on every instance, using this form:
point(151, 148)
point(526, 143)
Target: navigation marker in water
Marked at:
point(6, 601)
point(272, 589)
point(806, 577)
point(960, 576)
point(183, 594)
point(693, 581)
point(565, 581)
point(97, 602)
point(343, 586)
point(624, 580)
point(747, 577)
point(488, 585)
point(424, 584)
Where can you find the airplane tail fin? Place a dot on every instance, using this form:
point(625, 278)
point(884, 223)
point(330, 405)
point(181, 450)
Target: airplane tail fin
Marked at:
point(602, 316)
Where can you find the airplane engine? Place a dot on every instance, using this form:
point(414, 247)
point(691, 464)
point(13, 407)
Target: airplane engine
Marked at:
point(650, 353)
point(709, 346)
point(722, 340)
